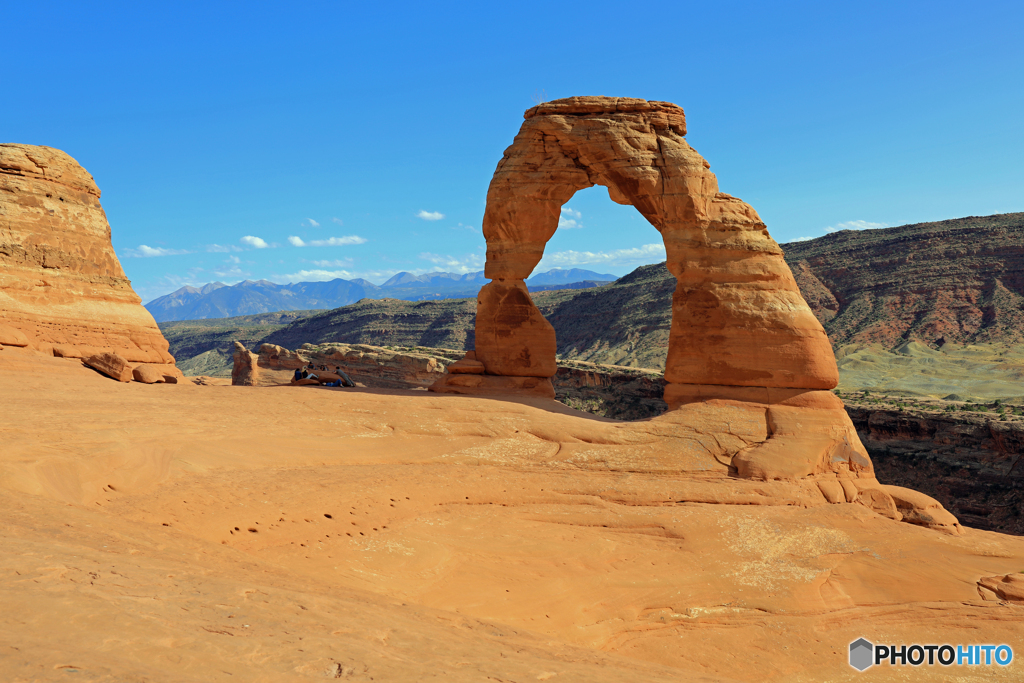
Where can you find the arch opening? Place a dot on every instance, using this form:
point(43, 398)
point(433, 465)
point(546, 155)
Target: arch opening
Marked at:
point(598, 235)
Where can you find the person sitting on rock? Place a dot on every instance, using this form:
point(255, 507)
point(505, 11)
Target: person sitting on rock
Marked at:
point(299, 374)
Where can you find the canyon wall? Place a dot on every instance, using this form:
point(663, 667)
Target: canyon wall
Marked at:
point(970, 463)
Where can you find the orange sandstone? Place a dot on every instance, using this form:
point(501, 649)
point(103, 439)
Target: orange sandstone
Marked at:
point(60, 283)
point(400, 534)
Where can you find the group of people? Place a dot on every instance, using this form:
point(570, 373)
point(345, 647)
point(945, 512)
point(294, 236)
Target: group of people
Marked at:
point(310, 372)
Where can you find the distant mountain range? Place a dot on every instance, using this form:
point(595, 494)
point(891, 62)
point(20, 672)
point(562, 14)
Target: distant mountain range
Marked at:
point(217, 300)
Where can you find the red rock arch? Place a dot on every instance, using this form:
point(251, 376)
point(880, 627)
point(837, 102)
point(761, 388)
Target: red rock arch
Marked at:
point(738, 318)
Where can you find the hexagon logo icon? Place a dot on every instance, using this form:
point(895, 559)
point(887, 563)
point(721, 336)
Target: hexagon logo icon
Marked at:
point(861, 654)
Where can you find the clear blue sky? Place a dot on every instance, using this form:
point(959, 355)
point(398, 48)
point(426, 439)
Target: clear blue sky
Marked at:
point(206, 123)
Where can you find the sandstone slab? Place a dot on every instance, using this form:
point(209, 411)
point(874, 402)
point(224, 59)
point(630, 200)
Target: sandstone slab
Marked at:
point(366, 365)
point(111, 365)
point(1007, 587)
point(468, 365)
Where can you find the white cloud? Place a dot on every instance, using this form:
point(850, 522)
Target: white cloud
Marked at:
point(313, 223)
point(233, 259)
point(468, 264)
point(338, 221)
point(803, 239)
point(145, 252)
point(321, 275)
point(318, 275)
point(336, 263)
point(648, 253)
point(430, 215)
point(329, 242)
point(255, 242)
point(221, 249)
point(232, 272)
point(855, 225)
point(570, 218)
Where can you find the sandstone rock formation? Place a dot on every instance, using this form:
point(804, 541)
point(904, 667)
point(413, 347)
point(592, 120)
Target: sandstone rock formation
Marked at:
point(742, 337)
point(246, 371)
point(152, 373)
point(371, 366)
point(738, 317)
point(111, 365)
point(60, 282)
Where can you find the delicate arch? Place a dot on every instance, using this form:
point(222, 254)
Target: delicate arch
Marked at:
point(738, 318)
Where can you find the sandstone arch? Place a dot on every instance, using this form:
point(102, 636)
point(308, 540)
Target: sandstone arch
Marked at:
point(739, 319)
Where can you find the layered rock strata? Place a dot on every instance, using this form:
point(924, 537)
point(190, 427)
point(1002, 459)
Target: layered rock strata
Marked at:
point(971, 463)
point(61, 285)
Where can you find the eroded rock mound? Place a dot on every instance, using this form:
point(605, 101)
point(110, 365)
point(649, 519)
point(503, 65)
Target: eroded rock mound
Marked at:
point(61, 284)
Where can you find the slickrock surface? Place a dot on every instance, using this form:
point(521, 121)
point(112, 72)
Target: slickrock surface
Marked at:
point(738, 318)
point(225, 533)
point(60, 282)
